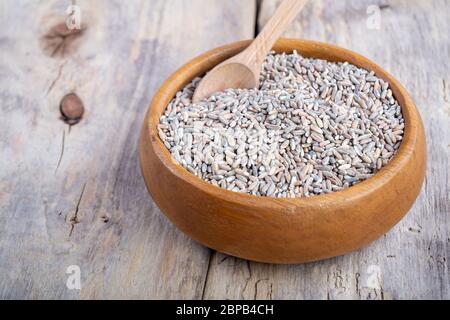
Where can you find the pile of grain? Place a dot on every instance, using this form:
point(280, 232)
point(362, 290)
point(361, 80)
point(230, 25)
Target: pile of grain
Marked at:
point(312, 127)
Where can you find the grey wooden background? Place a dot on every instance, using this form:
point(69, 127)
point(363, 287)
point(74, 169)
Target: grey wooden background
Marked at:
point(75, 196)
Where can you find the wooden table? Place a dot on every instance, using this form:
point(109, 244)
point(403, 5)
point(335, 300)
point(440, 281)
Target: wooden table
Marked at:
point(75, 195)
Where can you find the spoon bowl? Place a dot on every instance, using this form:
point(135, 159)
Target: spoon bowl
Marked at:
point(230, 75)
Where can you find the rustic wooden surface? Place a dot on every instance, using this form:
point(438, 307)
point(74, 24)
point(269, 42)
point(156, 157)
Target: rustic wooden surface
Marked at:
point(75, 196)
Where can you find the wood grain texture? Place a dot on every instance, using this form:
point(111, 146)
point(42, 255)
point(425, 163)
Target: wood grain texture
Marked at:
point(412, 260)
point(75, 195)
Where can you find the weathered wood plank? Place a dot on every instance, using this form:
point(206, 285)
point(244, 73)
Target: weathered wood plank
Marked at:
point(412, 260)
point(75, 196)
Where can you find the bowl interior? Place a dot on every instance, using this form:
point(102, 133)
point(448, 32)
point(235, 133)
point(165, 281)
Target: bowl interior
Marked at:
point(200, 65)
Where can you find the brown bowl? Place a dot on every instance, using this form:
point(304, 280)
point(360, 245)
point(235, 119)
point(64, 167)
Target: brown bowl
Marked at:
point(282, 230)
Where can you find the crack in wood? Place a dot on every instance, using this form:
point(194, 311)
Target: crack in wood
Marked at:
point(381, 292)
point(75, 219)
point(271, 291)
point(224, 259)
point(258, 4)
point(62, 150)
point(205, 282)
point(247, 280)
point(357, 284)
point(58, 75)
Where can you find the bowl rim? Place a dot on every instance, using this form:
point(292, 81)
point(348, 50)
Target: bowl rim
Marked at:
point(184, 75)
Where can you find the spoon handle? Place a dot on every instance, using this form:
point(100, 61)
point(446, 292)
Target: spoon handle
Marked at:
point(274, 28)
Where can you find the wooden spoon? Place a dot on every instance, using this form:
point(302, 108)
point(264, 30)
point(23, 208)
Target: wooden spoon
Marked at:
point(242, 70)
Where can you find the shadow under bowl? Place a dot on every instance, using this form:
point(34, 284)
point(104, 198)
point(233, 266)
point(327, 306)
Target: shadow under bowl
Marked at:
point(283, 230)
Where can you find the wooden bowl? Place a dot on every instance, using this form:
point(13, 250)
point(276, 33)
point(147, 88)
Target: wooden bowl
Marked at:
point(282, 230)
